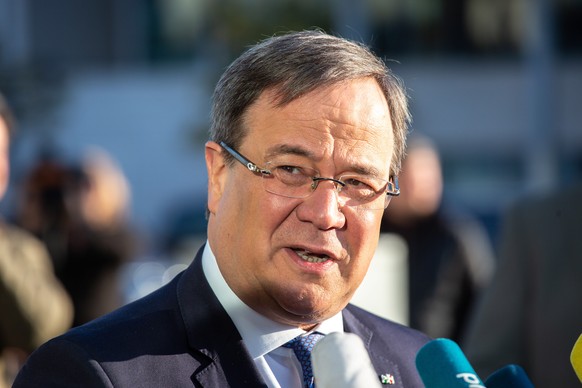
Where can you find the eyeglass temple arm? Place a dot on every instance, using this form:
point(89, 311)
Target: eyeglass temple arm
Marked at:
point(244, 161)
point(396, 191)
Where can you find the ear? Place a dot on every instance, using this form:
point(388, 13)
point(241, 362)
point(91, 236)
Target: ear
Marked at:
point(217, 172)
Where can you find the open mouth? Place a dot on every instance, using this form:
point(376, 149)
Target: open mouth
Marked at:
point(311, 257)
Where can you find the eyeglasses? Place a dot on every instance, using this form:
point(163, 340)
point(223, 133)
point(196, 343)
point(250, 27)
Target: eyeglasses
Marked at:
point(292, 181)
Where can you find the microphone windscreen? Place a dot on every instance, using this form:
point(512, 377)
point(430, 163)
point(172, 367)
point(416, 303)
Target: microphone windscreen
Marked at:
point(576, 357)
point(442, 364)
point(340, 360)
point(510, 376)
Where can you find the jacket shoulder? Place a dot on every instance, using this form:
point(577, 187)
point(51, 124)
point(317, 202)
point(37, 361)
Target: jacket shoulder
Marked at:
point(387, 328)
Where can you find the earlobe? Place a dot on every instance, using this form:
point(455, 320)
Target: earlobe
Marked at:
point(216, 174)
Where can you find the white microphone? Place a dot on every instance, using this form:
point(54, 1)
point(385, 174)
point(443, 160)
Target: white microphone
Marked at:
point(340, 360)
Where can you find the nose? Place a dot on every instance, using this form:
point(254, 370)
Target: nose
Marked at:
point(323, 207)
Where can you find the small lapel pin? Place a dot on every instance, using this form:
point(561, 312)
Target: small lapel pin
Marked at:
point(387, 379)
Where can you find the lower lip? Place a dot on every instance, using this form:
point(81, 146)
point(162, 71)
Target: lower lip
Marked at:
point(307, 266)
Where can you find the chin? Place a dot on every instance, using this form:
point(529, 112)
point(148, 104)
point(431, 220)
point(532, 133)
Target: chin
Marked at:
point(306, 312)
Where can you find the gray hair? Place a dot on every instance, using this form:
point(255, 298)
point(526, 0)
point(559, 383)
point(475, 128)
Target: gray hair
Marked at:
point(293, 65)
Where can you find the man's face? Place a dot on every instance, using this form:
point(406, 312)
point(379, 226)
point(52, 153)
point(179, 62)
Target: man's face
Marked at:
point(261, 239)
point(4, 165)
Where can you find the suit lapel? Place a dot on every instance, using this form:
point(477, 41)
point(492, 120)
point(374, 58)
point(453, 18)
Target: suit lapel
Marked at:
point(223, 358)
point(386, 369)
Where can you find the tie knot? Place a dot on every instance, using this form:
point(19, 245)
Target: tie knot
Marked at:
point(304, 343)
point(302, 346)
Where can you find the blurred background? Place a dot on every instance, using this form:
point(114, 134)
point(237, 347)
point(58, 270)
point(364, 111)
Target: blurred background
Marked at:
point(496, 84)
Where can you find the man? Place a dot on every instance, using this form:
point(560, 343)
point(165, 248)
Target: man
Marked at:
point(307, 135)
point(34, 306)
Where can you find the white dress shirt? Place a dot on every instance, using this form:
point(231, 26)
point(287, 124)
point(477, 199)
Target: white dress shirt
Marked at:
point(262, 336)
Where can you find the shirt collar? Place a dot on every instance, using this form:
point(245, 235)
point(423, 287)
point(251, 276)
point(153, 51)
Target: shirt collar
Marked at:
point(260, 334)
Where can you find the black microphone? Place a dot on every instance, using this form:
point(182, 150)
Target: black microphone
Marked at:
point(442, 364)
point(340, 360)
point(510, 376)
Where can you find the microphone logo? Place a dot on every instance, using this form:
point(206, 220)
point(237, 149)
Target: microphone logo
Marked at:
point(471, 379)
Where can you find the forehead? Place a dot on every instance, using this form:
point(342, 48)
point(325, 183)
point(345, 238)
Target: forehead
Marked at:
point(345, 120)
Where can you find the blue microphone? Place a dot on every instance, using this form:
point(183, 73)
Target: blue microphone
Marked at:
point(442, 364)
point(510, 376)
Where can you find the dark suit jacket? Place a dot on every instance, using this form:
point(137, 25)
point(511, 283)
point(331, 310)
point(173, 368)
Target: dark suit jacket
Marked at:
point(531, 314)
point(181, 336)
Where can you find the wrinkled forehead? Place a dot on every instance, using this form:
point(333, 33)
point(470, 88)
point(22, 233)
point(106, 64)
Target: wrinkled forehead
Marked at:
point(359, 102)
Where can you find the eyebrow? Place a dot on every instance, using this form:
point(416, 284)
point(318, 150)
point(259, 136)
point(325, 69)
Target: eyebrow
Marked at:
point(366, 170)
point(286, 149)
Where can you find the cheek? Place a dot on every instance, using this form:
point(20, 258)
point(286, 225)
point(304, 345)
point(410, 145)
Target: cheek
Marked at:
point(271, 218)
point(363, 235)
point(364, 225)
point(255, 215)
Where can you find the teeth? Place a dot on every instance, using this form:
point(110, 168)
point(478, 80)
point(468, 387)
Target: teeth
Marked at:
point(311, 258)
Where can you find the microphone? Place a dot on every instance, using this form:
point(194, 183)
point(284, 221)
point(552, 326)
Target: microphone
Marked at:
point(510, 376)
point(340, 360)
point(576, 358)
point(442, 364)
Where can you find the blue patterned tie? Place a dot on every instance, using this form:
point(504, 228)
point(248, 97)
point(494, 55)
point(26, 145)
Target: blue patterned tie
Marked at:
point(302, 346)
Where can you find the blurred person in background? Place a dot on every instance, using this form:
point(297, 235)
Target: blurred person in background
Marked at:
point(34, 306)
point(42, 205)
point(450, 256)
point(531, 313)
point(81, 212)
point(101, 239)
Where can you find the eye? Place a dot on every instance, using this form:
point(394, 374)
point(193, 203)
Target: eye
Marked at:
point(291, 170)
point(358, 183)
point(292, 175)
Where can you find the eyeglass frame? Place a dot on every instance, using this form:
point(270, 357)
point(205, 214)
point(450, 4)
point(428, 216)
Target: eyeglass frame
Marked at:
point(316, 179)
